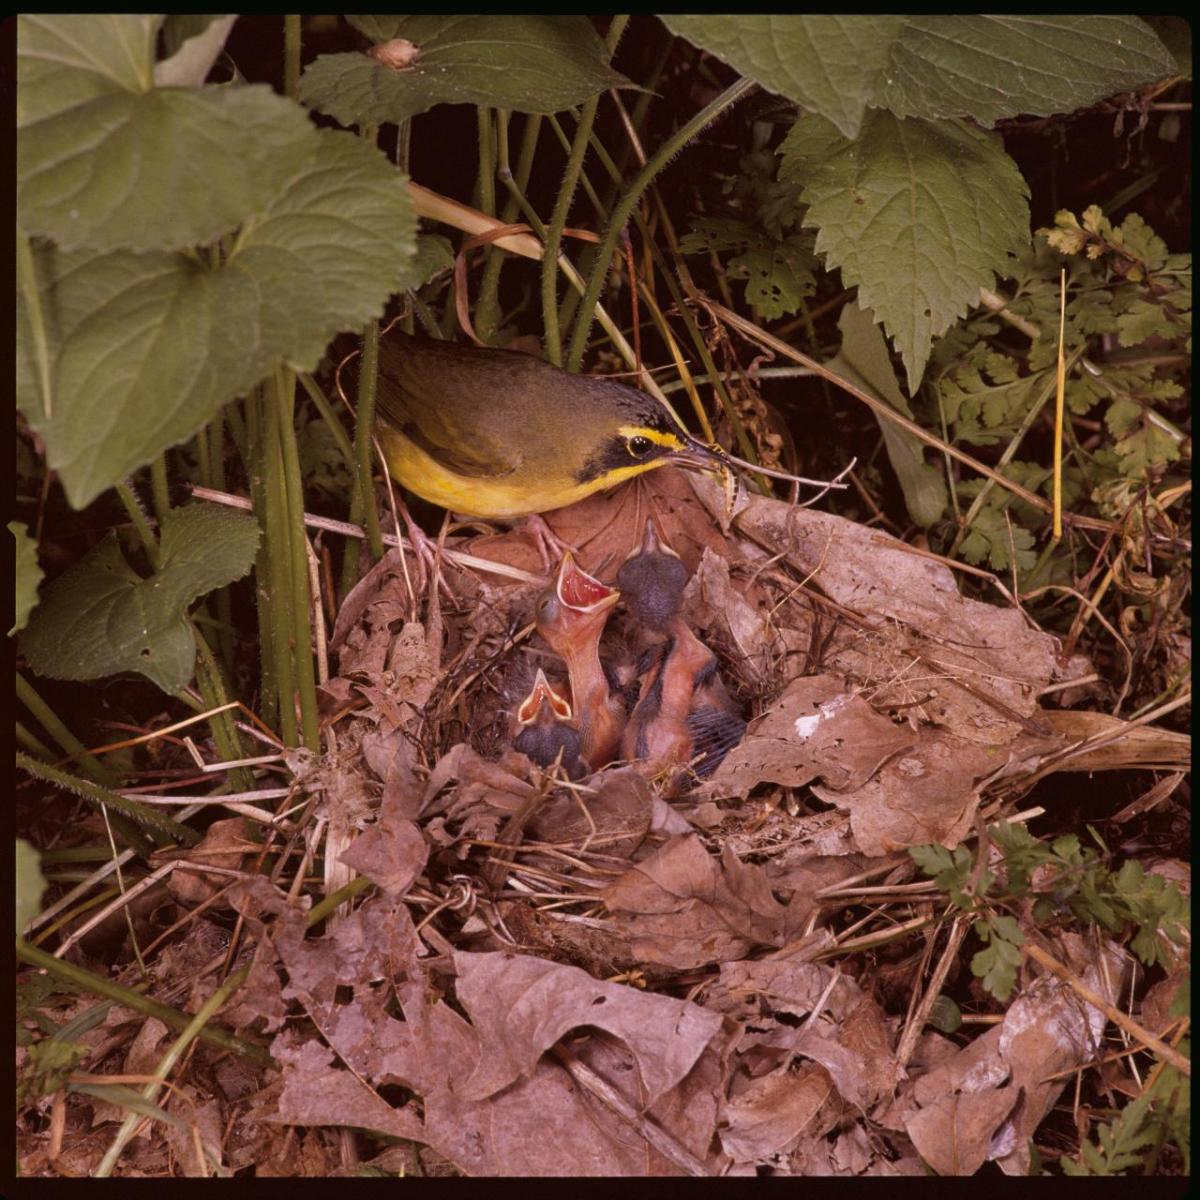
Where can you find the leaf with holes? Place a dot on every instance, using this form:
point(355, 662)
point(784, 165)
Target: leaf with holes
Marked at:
point(102, 618)
point(530, 64)
point(108, 161)
point(918, 215)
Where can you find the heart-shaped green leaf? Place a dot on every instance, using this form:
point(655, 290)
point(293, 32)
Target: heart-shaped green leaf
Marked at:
point(102, 618)
point(527, 64)
point(145, 349)
point(919, 215)
point(107, 161)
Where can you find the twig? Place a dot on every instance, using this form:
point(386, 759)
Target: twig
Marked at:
point(662, 1141)
point(1143, 1035)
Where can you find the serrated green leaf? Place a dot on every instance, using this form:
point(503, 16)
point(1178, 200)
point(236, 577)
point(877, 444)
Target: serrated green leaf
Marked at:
point(102, 618)
point(125, 165)
point(28, 575)
point(993, 539)
point(529, 64)
point(434, 254)
point(918, 215)
point(30, 883)
point(864, 359)
point(989, 67)
point(780, 275)
point(146, 349)
point(828, 64)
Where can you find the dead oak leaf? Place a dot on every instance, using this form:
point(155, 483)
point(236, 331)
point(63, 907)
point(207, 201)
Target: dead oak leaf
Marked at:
point(520, 1006)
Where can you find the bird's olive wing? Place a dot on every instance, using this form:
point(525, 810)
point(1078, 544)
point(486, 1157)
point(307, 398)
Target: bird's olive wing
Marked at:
point(426, 395)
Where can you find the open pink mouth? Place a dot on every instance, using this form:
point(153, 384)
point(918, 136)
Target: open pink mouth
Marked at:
point(577, 589)
point(543, 693)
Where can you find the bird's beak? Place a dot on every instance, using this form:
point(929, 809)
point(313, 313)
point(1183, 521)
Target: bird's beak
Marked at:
point(652, 543)
point(579, 590)
point(541, 693)
point(699, 457)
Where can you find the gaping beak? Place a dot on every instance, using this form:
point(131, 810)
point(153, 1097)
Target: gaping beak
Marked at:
point(582, 592)
point(541, 693)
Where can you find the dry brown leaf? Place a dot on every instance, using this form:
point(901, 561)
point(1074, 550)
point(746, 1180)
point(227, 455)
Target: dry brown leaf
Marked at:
point(768, 1114)
point(390, 853)
point(226, 844)
point(958, 1113)
point(818, 727)
point(683, 908)
point(520, 1006)
point(988, 663)
point(1130, 747)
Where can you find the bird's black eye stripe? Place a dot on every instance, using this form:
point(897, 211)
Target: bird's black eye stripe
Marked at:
point(640, 446)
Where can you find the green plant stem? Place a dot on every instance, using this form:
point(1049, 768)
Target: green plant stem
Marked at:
point(67, 741)
point(224, 600)
point(362, 503)
point(271, 620)
point(33, 744)
point(295, 555)
point(150, 1092)
point(554, 232)
point(291, 55)
point(487, 309)
point(159, 488)
point(335, 426)
point(745, 447)
point(489, 285)
point(323, 908)
point(97, 985)
point(140, 521)
point(224, 729)
point(163, 829)
point(628, 201)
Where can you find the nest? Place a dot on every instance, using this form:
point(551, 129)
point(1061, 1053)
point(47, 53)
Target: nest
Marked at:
point(886, 711)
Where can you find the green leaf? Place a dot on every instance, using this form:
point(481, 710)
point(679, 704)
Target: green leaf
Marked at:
point(529, 64)
point(864, 359)
point(995, 540)
point(434, 255)
point(147, 348)
point(102, 618)
point(30, 883)
point(28, 577)
point(780, 275)
point(918, 215)
point(989, 67)
point(107, 161)
point(65, 61)
point(980, 67)
point(828, 64)
point(194, 41)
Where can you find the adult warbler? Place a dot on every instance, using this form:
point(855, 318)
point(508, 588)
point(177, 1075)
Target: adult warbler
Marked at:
point(496, 433)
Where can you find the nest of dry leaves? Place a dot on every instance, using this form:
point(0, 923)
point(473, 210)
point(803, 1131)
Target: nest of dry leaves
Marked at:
point(584, 978)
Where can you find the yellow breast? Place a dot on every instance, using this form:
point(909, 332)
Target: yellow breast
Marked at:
point(517, 494)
